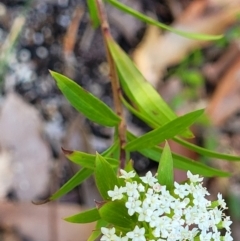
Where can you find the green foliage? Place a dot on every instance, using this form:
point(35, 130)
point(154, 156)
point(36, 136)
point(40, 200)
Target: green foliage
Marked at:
point(139, 91)
point(165, 168)
point(146, 104)
point(151, 21)
point(88, 160)
point(115, 212)
point(88, 216)
point(76, 180)
point(92, 9)
point(86, 103)
point(180, 162)
point(105, 176)
point(168, 131)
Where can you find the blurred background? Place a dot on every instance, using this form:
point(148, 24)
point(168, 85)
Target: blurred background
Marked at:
point(36, 120)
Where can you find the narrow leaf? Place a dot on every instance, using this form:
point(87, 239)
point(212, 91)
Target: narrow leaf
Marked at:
point(165, 169)
point(87, 160)
point(88, 216)
point(206, 152)
point(115, 213)
point(76, 180)
point(113, 151)
point(181, 162)
point(139, 91)
point(105, 177)
point(184, 163)
point(188, 145)
point(85, 102)
point(165, 132)
point(149, 20)
point(92, 9)
point(138, 114)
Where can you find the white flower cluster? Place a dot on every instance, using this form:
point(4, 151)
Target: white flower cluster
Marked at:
point(183, 213)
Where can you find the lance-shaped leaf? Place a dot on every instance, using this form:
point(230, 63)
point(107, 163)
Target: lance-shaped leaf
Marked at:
point(87, 216)
point(184, 163)
point(87, 160)
point(115, 213)
point(86, 103)
point(81, 175)
point(198, 149)
point(165, 168)
point(113, 151)
point(149, 20)
point(105, 176)
point(206, 152)
point(181, 162)
point(139, 91)
point(169, 130)
point(76, 180)
point(92, 9)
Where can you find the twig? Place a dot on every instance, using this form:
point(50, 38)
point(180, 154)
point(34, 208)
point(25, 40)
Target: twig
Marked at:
point(116, 89)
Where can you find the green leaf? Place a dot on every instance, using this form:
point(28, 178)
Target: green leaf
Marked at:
point(139, 91)
point(88, 216)
point(115, 213)
point(87, 160)
point(85, 102)
point(149, 20)
point(92, 9)
point(181, 162)
point(138, 114)
point(113, 151)
point(206, 152)
point(200, 150)
point(184, 163)
point(165, 169)
point(97, 232)
point(76, 180)
point(105, 176)
point(165, 132)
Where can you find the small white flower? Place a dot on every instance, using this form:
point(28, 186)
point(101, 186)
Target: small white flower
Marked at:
point(127, 175)
point(226, 223)
point(145, 214)
point(149, 179)
point(141, 188)
point(182, 190)
point(163, 227)
point(216, 236)
point(157, 187)
point(215, 215)
point(137, 234)
point(227, 237)
point(194, 178)
point(205, 236)
point(132, 189)
point(155, 218)
point(221, 201)
point(117, 193)
point(108, 234)
point(133, 205)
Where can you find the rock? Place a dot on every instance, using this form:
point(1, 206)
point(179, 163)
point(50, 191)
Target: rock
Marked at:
point(21, 132)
